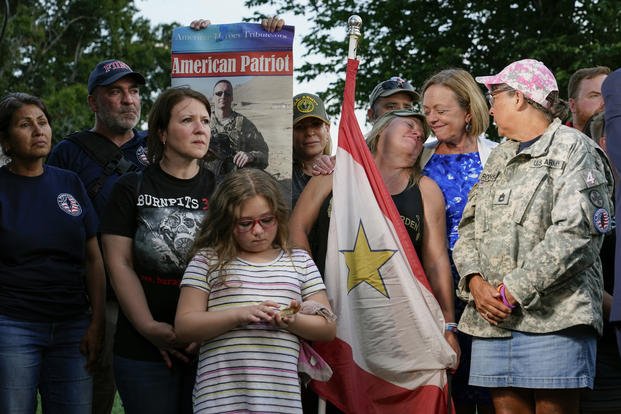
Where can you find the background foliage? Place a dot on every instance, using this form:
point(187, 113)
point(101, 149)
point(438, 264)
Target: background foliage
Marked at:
point(50, 47)
point(417, 38)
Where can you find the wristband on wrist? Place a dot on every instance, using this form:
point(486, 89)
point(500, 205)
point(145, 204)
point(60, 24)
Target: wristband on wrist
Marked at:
point(503, 296)
point(451, 327)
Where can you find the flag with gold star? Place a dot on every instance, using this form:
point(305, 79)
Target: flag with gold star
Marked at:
point(390, 354)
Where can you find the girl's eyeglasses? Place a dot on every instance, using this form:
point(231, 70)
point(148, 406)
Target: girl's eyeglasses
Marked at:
point(246, 224)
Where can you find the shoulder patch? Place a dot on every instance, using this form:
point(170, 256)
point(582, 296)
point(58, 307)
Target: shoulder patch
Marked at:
point(69, 204)
point(596, 198)
point(602, 221)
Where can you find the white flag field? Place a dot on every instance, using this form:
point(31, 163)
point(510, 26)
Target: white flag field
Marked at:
point(390, 352)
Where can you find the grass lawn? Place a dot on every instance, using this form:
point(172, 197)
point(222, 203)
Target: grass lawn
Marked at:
point(116, 409)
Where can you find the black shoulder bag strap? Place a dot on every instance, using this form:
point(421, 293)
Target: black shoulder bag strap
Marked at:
point(105, 153)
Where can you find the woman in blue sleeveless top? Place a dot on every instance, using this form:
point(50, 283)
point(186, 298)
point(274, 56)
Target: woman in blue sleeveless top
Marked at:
point(457, 114)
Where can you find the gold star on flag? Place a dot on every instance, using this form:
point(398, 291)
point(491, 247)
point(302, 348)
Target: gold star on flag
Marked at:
point(364, 263)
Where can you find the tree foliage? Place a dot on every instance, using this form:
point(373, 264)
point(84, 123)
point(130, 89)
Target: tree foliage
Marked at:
point(417, 38)
point(50, 47)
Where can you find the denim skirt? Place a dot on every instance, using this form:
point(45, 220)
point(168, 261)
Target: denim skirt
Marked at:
point(557, 360)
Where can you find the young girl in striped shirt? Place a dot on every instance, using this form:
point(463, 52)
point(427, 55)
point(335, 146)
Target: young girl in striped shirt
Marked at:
point(239, 298)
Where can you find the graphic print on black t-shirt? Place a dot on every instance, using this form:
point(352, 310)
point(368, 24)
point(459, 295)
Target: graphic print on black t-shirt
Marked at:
point(162, 215)
point(167, 235)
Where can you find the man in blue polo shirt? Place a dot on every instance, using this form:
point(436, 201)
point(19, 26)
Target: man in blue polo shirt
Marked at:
point(100, 155)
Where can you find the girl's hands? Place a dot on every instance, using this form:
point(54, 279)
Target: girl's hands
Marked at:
point(286, 316)
point(269, 312)
point(263, 312)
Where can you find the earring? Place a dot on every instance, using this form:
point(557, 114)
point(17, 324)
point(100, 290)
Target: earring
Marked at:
point(468, 127)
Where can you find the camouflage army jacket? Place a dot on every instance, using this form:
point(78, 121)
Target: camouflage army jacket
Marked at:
point(535, 221)
point(244, 136)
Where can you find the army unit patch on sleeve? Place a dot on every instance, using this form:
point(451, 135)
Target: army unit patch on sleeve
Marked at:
point(590, 179)
point(596, 198)
point(602, 221)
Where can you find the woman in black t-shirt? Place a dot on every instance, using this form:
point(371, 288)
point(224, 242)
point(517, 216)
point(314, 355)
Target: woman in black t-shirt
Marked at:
point(147, 231)
point(396, 142)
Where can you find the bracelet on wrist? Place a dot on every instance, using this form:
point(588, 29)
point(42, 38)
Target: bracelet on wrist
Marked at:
point(451, 327)
point(503, 295)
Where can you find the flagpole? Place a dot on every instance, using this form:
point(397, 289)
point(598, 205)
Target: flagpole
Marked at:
point(353, 25)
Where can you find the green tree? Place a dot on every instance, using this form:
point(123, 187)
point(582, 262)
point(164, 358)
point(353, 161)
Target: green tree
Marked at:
point(50, 47)
point(417, 38)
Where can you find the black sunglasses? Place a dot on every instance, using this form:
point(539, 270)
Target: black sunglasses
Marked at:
point(397, 83)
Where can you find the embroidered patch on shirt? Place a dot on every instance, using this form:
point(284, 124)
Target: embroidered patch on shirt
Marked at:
point(488, 176)
point(501, 196)
point(69, 204)
point(547, 162)
point(596, 198)
point(601, 220)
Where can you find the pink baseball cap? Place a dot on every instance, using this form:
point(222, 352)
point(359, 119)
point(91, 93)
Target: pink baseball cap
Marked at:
point(529, 76)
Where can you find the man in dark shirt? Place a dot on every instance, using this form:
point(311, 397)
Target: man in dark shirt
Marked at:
point(114, 98)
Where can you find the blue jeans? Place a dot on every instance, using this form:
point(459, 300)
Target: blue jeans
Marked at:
point(151, 387)
point(44, 356)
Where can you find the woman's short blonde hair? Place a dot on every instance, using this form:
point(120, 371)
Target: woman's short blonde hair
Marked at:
point(468, 94)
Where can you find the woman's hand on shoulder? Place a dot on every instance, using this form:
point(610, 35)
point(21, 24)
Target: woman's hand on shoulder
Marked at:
point(324, 165)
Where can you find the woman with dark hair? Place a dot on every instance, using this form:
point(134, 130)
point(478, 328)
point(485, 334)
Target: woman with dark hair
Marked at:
point(147, 232)
point(528, 250)
point(52, 285)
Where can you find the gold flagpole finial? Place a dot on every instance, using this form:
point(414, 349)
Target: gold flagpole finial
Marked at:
point(354, 23)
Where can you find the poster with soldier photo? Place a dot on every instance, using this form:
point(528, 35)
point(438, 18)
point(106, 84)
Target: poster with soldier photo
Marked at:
point(247, 74)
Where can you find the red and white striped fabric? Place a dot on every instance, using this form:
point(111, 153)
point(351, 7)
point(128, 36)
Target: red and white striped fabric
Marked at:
point(390, 354)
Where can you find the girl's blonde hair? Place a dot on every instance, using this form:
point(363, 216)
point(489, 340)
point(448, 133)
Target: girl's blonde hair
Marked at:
point(216, 232)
